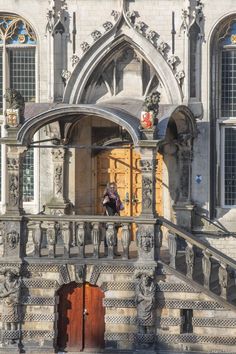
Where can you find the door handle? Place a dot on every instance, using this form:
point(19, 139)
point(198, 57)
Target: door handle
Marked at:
point(85, 312)
point(126, 200)
point(134, 199)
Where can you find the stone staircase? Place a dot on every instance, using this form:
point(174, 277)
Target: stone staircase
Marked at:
point(195, 301)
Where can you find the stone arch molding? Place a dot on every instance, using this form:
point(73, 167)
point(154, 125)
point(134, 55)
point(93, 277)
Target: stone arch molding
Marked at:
point(71, 113)
point(93, 56)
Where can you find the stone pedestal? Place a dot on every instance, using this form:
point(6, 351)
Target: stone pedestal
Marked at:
point(59, 204)
point(183, 214)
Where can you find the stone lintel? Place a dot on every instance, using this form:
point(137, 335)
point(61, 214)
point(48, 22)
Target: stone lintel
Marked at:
point(149, 143)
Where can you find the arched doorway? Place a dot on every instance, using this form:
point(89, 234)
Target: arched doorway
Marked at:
point(81, 313)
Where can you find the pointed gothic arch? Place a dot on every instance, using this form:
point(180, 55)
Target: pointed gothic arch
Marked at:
point(107, 45)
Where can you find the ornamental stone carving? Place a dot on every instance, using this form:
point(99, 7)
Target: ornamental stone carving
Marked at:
point(74, 59)
point(15, 101)
point(12, 239)
point(141, 27)
point(58, 154)
point(84, 46)
point(115, 14)
point(65, 75)
point(146, 165)
point(152, 36)
point(96, 35)
point(145, 300)
point(162, 47)
point(58, 180)
point(10, 293)
point(180, 75)
point(13, 189)
point(172, 61)
point(147, 192)
point(145, 239)
point(108, 25)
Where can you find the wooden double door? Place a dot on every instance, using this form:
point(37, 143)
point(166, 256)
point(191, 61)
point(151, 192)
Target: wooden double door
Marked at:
point(122, 166)
point(81, 324)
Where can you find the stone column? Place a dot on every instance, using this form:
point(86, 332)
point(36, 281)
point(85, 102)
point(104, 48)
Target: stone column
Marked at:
point(59, 203)
point(183, 208)
point(149, 233)
point(14, 231)
point(15, 156)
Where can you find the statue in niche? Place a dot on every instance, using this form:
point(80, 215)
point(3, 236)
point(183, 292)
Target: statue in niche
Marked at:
point(145, 300)
point(13, 189)
point(10, 293)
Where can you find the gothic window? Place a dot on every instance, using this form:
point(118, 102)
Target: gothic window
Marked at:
point(18, 71)
point(227, 112)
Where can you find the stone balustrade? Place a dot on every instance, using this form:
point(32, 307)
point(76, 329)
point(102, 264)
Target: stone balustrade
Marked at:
point(85, 236)
point(201, 263)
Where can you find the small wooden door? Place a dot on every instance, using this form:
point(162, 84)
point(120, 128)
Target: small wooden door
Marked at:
point(122, 167)
point(81, 318)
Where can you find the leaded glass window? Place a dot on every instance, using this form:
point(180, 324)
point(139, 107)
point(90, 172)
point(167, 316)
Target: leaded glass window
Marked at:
point(18, 43)
point(228, 84)
point(28, 176)
point(22, 72)
point(230, 166)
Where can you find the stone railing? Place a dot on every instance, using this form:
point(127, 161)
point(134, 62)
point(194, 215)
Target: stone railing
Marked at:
point(83, 236)
point(200, 262)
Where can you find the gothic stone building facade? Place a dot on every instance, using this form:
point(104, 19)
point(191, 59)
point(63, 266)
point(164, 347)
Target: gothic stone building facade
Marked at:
point(137, 92)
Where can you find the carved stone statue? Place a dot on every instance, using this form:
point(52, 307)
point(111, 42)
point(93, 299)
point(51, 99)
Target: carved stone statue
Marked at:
point(13, 189)
point(145, 300)
point(151, 103)
point(58, 180)
point(10, 293)
point(15, 100)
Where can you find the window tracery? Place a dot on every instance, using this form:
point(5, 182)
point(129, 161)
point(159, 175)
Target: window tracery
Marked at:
point(17, 48)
